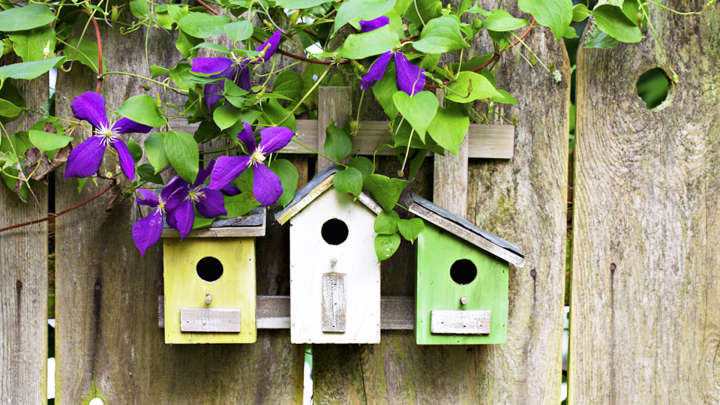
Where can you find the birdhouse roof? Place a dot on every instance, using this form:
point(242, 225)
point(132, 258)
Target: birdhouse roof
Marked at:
point(462, 228)
point(314, 189)
point(251, 224)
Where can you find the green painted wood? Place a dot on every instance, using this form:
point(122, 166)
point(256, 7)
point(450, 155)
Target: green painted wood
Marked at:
point(437, 250)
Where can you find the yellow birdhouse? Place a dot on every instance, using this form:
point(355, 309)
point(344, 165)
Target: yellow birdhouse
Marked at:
point(210, 281)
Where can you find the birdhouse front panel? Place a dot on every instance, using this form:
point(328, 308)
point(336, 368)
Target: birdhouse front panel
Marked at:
point(210, 290)
point(462, 292)
point(334, 272)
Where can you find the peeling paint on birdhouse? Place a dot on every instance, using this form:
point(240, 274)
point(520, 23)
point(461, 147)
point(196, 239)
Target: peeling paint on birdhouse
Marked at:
point(462, 280)
point(209, 280)
point(334, 271)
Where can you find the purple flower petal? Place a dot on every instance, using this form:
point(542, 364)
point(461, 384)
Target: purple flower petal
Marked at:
point(182, 218)
point(211, 66)
point(410, 78)
point(203, 174)
point(169, 190)
point(246, 136)
point(126, 161)
point(266, 185)
point(146, 231)
point(226, 169)
point(275, 138)
point(90, 106)
point(230, 191)
point(270, 46)
point(211, 94)
point(371, 25)
point(212, 205)
point(127, 126)
point(377, 71)
point(243, 78)
point(85, 159)
point(147, 197)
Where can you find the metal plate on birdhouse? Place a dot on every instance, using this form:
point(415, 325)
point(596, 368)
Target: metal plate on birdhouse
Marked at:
point(460, 322)
point(210, 320)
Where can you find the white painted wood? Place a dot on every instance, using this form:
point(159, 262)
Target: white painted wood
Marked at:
point(310, 258)
point(459, 322)
point(210, 320)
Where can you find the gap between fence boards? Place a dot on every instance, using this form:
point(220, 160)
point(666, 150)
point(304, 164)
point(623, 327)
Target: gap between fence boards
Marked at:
point(273, 312)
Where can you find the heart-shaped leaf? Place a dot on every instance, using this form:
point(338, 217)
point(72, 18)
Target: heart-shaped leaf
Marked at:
point(411, 228)
point(470, 86)
point(386, 246)
point(386, 223)
point(419, 110)
point(449, 127)
point(349, 180)
point(384, 190)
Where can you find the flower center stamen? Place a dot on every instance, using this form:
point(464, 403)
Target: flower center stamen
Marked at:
point(257, 157)
point(195, 194)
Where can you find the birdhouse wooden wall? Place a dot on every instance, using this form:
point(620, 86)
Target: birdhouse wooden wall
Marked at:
point(209, 281)
point(334, 272)
point(462, 292)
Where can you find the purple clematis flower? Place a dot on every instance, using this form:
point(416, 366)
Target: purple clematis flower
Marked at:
point(410, 78)
point(209, 202)
point(236, 69)
point(266, 184)
point(85, 159)
point(147, 230)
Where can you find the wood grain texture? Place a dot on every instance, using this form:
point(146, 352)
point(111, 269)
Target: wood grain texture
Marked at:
point(334, 302)
point(460, 322)
point(24, 277)
point(334, 104)
point(450, 177)
point(108, 341)
point(645, 289)
point(210, 320)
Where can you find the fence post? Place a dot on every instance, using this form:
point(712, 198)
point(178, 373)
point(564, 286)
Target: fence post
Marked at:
point(334, 104)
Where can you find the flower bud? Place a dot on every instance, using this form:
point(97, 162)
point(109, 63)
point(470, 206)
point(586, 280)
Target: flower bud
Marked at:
point(358, 66)
point(114, 13)
point(269, 24)
point(261, 93)
point(354, 126)
point(477, 24)
point(146, 87)
point(676, 78)
point(390, 127)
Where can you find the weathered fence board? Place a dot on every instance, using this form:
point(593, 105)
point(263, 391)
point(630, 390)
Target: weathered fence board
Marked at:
point(108, 341)
point(24, 279)
point(645, 318)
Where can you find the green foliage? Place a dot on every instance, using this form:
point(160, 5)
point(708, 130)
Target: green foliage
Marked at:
point(183, 153)
point(556, 14)
point(155, 150)
point(142, 109)
point(86, 53)
point(612, 21)
point(337, 142)
point(45, 141)
point(353, 11)
point(440, 35)
point(384, 190)
point(360, 46)
point(418, 110)
point(288, 174)
point(201, 25)
point(349, 180)
point(25, 18)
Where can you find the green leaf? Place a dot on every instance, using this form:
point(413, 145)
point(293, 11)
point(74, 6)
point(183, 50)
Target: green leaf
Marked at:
point(612, 21)
point(155, 150)
point(353, 11)
point(349, 180)
point(570, 33)
point(45, 141)
point(440, 35)
point(360, 46)
point(384, 190)
point(183, 153)
point(363, 164)
point(386, 223)
point(35, 44)
point(135, 150)
point(501, 20)
point(28, 70)
point(25, 18)
point(147, 173)
point(177, 12)
point(429, 9)
point(239, 205)
point(277, 113)
point(385, 89)
point(201, 25)
point(337, 143)
point(580, 12)
point(139, 8)
point(238, 30)
point(186, 44)
point(226, 116)
point(505, 97)
point(599, 40)
point(8, 109)
point(142, 109)
point(158, 71)
point(449, 127)
point(87, 53)
point(556, 14)
point(289, 84)
point(214, 47)
point(201, 222)
point(411, 228)
point(299, 4)
point(502, 39)
point(418, 110)
point(482, 89)
point(386, 246)
point(288, 178)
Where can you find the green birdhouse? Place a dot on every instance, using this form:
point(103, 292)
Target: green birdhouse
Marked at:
point(462, 280)
point(209, 280)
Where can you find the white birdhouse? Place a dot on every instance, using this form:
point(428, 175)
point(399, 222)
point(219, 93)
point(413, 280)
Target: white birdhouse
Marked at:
point(334, 271)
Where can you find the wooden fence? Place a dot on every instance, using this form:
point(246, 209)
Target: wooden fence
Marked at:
point(645, 300)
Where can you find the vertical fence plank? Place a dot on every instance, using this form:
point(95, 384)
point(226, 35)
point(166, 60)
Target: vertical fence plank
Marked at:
point(334, 104)
point(23, 279)
point(645, 318)
point(108, 341)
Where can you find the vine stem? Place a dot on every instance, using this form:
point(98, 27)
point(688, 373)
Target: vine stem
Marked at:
point(99, 45)
point(65, 211)
point(212, 10)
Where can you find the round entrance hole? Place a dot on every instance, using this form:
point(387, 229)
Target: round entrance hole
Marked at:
point(209, 269)
point(463, 271)
point(653, 87)
point(334, 231)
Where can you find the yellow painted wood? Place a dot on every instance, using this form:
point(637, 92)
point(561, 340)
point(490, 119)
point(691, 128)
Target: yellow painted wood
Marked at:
point(234, 289)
